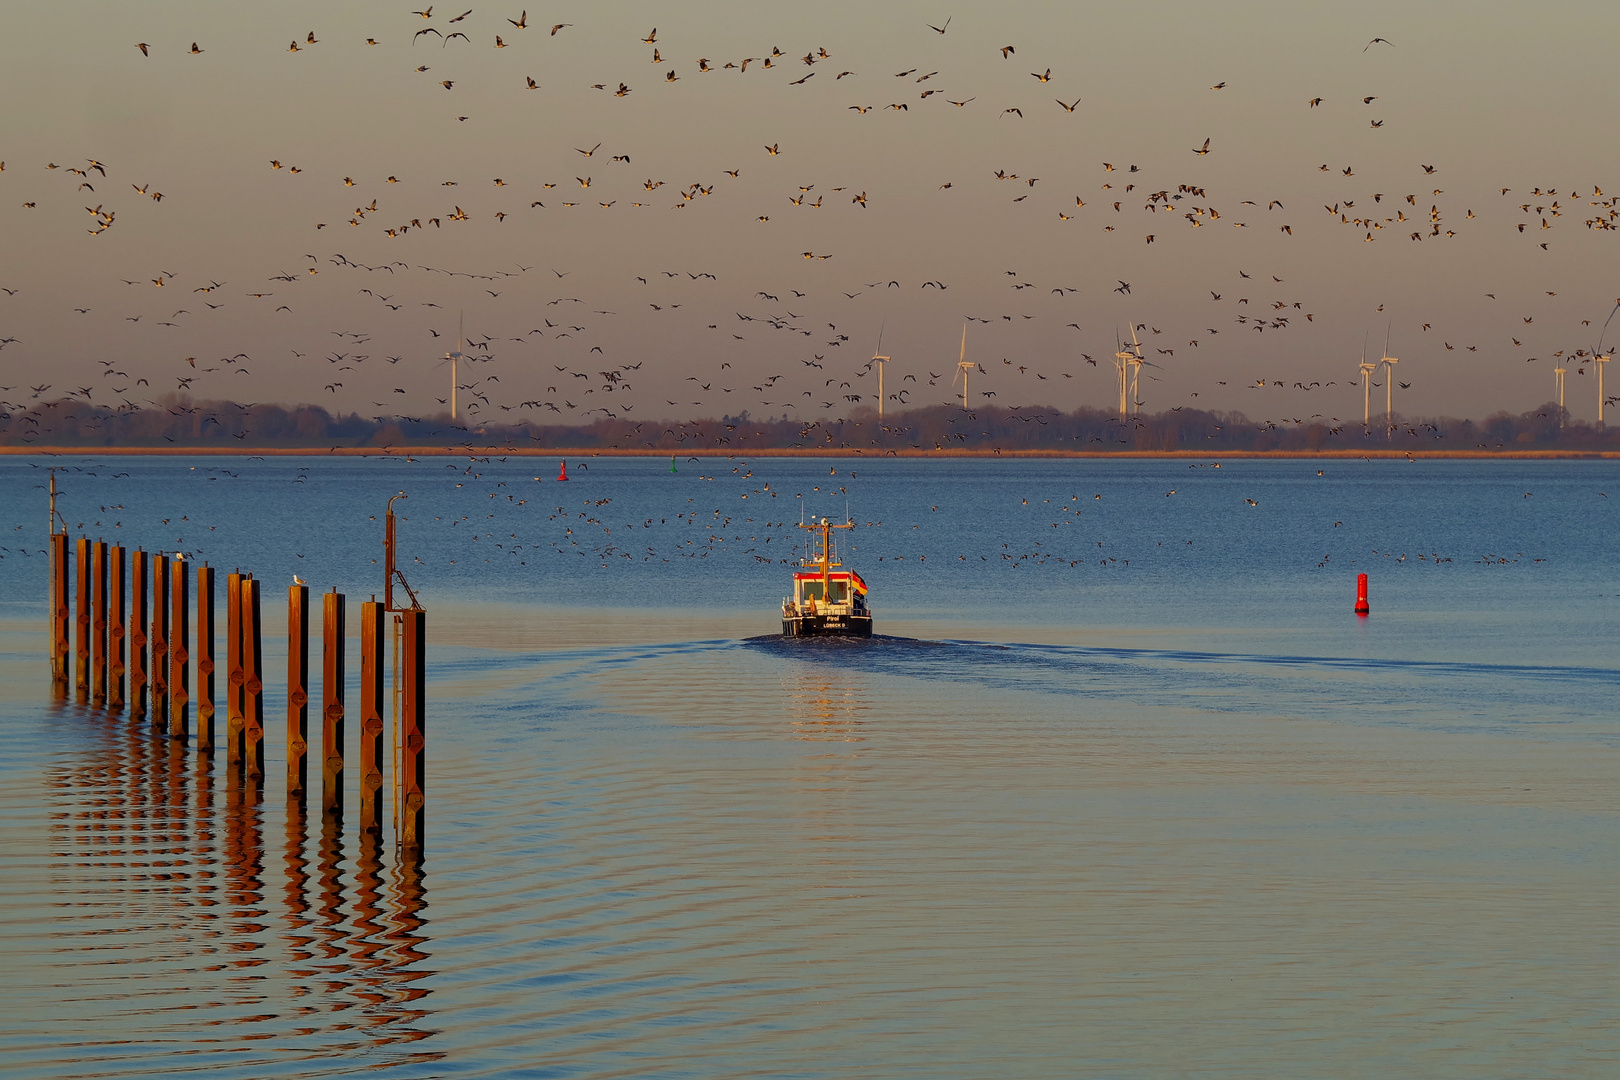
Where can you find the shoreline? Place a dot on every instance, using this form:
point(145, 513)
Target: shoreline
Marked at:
point(806, 452)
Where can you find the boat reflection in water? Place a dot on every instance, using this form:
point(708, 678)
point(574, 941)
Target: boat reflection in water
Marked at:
point(825, 602)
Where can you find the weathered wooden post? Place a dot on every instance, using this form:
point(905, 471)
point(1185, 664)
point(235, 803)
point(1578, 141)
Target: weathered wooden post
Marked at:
point(158, 638)
point(297, 690)
point(252, 683)
point(372, 620)
point(81, 619)
point(179, 651)
point(234, 722)
point(332, 657)
point(205, 658)
point(59, 607)
point(413, 733)
point(98, 622)
point(137, 635)
point(115, 629)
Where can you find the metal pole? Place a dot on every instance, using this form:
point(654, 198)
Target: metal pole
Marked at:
point(137, 635)
point(59, 611)
point(395, 745)
point(388, 558)
point(98, 623)
point(81, 619)
point(205, 659)
point(332, 657)
point(235, 725)
point(371, 719)
point(115, 630)
point(297, 691)
point(179, 651)
point(413, 734)
point(252, 684)
point(159, 638)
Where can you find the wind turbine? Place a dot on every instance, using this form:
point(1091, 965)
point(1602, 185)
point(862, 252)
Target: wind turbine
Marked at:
point(1137, 363)
point(963, 367)
point(1599, 357)
point(880, 360)
point(1367, 369)
point(1124, 361)
point(1389, 363)
point(455, 365)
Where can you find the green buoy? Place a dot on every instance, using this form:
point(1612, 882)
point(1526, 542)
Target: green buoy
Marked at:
point(672, 463)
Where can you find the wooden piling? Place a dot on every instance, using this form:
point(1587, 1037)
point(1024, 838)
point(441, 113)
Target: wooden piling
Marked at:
point(297, 691)
point(332, 656)
point(372, 620)
point(115, 629)
point(234, 723)
point(252, 683)
point(98, 623)
point(81, 619)
point(158, 640)
point(205, 659)
point(179, 651)
point(59, 611)
point(413, 732)
point(137, 635)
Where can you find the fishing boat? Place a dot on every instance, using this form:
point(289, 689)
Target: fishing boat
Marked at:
point(826, 601)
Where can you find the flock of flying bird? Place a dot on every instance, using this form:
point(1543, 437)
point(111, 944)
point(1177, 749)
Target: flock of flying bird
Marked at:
point(574, 352)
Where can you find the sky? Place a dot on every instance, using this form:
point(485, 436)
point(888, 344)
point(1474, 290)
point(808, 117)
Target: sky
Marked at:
point(921, 181)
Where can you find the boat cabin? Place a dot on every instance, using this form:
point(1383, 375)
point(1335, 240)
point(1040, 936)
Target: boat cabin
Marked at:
point(808, 587)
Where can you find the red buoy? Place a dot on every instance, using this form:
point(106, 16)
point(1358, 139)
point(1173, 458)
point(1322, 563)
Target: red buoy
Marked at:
point(1361, 595)
point(562, 474)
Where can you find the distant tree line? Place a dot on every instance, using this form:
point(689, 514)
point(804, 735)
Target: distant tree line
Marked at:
point(179, 421)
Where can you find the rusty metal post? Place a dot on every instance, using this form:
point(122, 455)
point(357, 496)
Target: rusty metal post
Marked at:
point(372, 620)
point(179, 651)
point(98, 622)
point(332, 657)
point(81, 619)
point(233, 669)
point(115, 629)
point(252, 683)
point(59, 609)
point(297, 691)
point(205, 658)
point(158, 637)
point(413, 733)
point(137, 635)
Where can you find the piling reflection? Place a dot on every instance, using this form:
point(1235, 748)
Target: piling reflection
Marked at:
point(165, 862)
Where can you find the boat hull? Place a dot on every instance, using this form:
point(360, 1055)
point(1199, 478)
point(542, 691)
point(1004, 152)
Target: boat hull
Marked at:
point(827, 626)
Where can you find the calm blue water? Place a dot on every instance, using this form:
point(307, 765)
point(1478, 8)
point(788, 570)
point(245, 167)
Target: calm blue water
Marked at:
point(1123, 788)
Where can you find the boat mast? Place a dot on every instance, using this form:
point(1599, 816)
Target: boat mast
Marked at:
point(826, 561)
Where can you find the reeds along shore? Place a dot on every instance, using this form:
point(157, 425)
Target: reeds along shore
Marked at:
point(184, 425)
point(94, 621)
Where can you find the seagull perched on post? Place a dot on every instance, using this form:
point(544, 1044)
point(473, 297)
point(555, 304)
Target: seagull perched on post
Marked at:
point(298, 580)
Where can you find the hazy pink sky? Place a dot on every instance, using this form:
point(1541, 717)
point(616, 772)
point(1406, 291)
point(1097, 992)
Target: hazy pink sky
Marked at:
point(1491, 95)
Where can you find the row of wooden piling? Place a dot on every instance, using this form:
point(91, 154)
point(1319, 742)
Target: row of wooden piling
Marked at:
point(88, 592)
